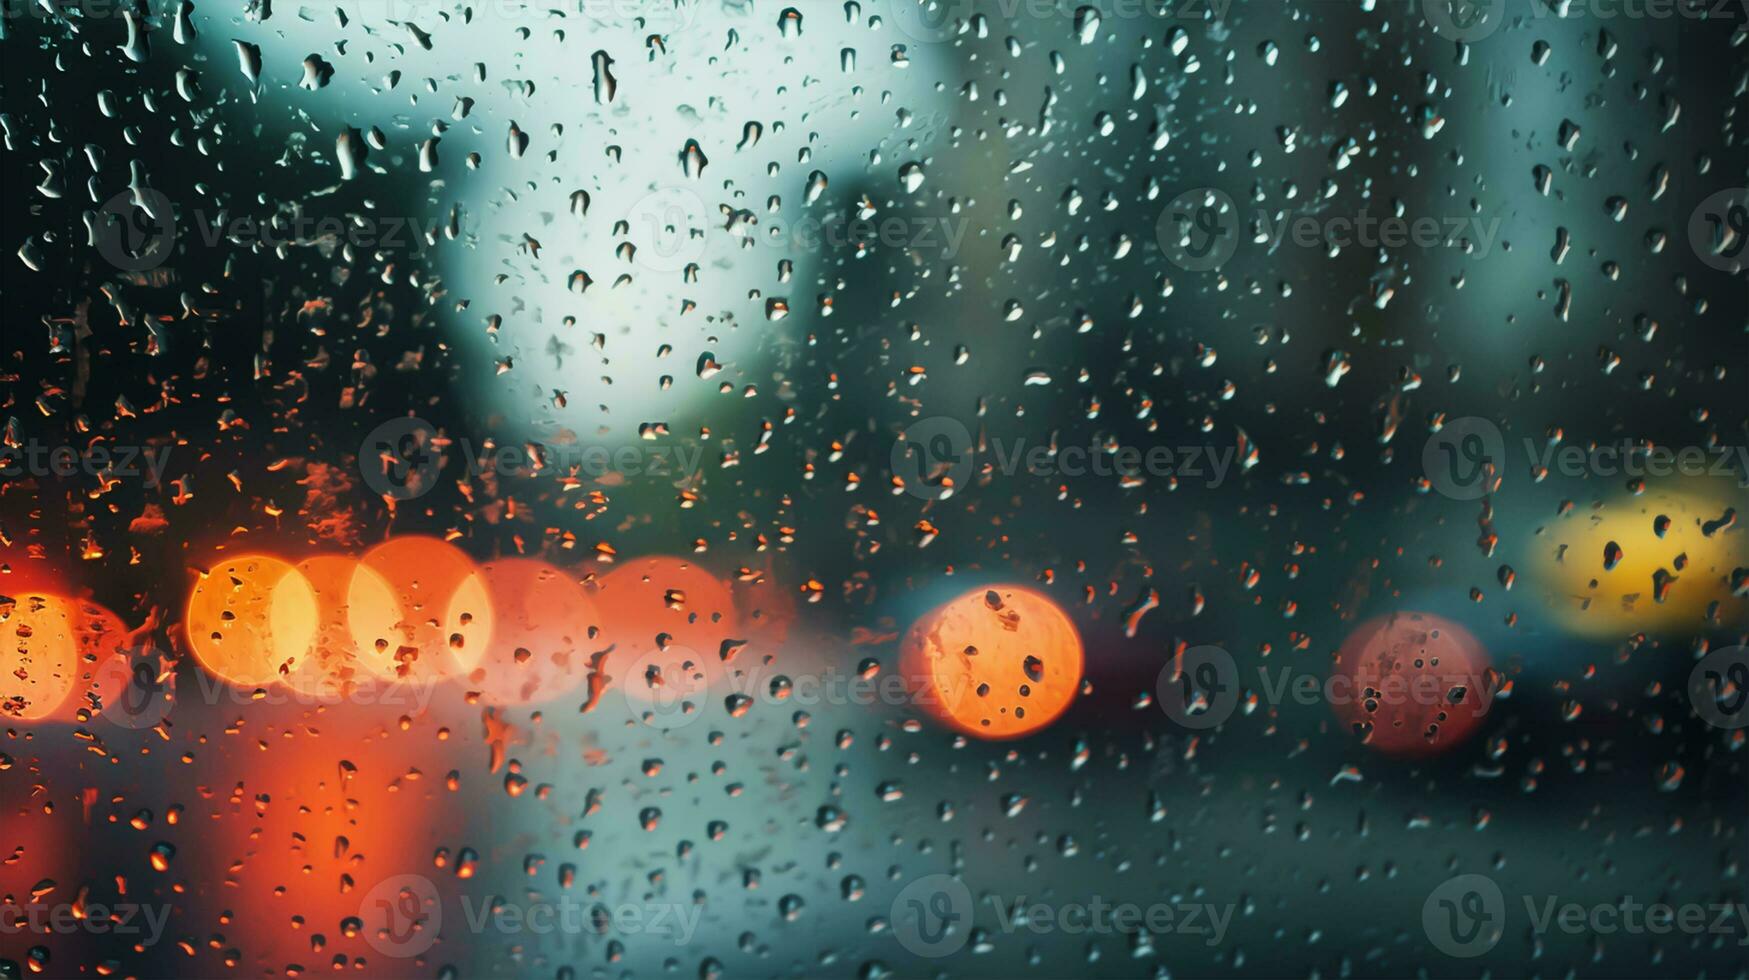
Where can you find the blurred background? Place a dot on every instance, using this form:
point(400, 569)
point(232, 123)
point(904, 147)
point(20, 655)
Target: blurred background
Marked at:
point(764, 332)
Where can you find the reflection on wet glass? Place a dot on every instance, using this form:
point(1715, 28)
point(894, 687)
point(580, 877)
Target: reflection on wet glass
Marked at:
point(973, 488)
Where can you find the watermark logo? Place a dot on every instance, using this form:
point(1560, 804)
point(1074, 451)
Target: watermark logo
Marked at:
point(1199, 230)
point(98, 460)
point(654, 16)
point(144, 923)
point(403, 457)
point(932, 916)
point(136, 230)
point(1202, 229)
point(401, 915)
point(1719, 229)
point(145, 693)
point(373, 232)
point(672, 228)
point(1719, 687)
point(669, 687)
point(934, 21)
point(930, 21)
point(933, 457)
point(1200, 689)
point(1465, 458)
point(1465, 916)
point(398, 459)
point(1464, 20)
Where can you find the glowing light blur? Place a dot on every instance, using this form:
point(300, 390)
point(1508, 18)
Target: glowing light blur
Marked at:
point(329, 669)
point(418, 609)
point(1664, 576)
point(38, 652)
point(248, 616)
point(540, 645)
point(1412, 683)
point(996, 662)
point(666, 619)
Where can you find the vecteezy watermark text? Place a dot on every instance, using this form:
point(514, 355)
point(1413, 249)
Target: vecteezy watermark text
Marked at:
point(137, 230)
point(98, 460)
point(1469, 21)
point(1466, 458)
point(1201, 229)
point(145, 923)
point(932, 917)
point(1203, 686)
point(1466, 916)
point(935, 21)
point(672, 227)
point(402, 916)
point(402, 458)
point(934, 457)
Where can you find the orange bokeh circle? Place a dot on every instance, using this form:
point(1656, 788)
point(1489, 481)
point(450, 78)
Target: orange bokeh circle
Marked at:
point(329, 670)
point(996, 662)
point(248, 616)
point(666, 620)
point(659, 595)
point(38, 654)
point(418, 610)
point(1412, 683)
point(102, 641)
point(540, 643)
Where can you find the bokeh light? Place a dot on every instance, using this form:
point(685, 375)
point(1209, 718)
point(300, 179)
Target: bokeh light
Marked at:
point(997, 662)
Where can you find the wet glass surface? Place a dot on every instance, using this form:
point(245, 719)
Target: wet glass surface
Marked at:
point(899, 488)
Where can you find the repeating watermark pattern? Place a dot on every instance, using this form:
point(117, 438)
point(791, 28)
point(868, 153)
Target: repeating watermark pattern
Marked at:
point(403, 916)
point(412, 696)
point(675, 686)
point(670, 687)
point(1719, 687)
point(934, 457)
point(142, 693)
point(1470, 21)
point(1466, 916)
point(399, 459)
point(672, 228)
point(1466, 458)
point(1464, 20)
point(1203, 687)
point(1202, 229)
point(935, 21)
point(402, 459)
point(1463, 460)
point(1719, 228)
point(1199, 229)
point(146, 693)
point(377, 233)
point(143, 924)
point(651, 16)
point(100, 461)
point(932, 917)
point(135, 230)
